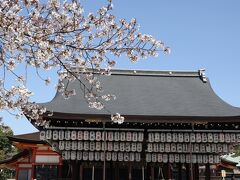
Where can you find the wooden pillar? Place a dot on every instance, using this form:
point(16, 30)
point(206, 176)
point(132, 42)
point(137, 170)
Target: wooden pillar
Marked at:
point(207, 172)
point(179, 166)
point(130, 171)
point(196, 171)
point(169, 171)
point(116, 169)
point(81, 172)
point(74, 170)
point(59, 171)
point(187, 171)
point(152, 173)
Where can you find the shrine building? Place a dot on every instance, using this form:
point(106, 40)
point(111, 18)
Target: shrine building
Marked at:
point(175, 127)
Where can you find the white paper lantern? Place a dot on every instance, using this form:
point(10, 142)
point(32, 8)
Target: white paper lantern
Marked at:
point(48, 134)
point(210, 137)
point(115, 146)
point(161, 147)
point(114, 156)
point(108, 156)
point(199, 158)
point(179, 147)
point(61, 145)
point(116, 136)
point(55, 135)
point(80, 135)
point(216, 159)
point(122, 136)
point(131, 156)
point(98, 136)
point(79, 155)
point(165, 158)
point(231, 148)
point(215, 137)
point(96, 156)
point(126, 156)
point(104, 146)
point(110, 136)
point(73, 135)
point(74, 145)
point(66, 155)
point(198, 137)
point(219, 148)
point(233, 137)
point(202, 148)
point(140, 136)
point(185, 147)
point(109, 146)
point(182, 158)
point(98, 146)
point(227, 138)
point(80, 145)
point(127, 147)
point(139, 147)
point(210, 159)
point(173, 147)
point(138, 157)
point(186, 137)
point(214, 147)
point(85, 135)
point(149, 147)
point(176, 158)
point(160, 158)
point(192, 137)
point(67, 145)
point(92, 146)
point(205, 159)
point(194, 158)
point(208, 148)
point(171, 158)
point(86, 145)
point(92, 136)
point(238, 138)
point(188, 159)
point(148, 157)
point(151, 137)
point(180, 137)
point(204, 137)
point(169, 137)
point(85, 156)
point(221, 137)
point(167, 147)
point(154, 157)
point(196, 148)
point(155, 147)
point(67, 135)
point(91, 156)
point(42, 135)
point(61, 135)
point(133, 147)
point(120, 156)
point(156, 137)
point(73, 155)
point(129, 136)
point(163, 137)
point(175, 137)
point(122, 146)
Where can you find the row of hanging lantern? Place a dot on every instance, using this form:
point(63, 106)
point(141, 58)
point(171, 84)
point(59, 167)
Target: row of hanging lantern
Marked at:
point(97, 146)
point(91, 135)
point(182, 158)
point(99, 156)
point(196, 147)
point(193, 137)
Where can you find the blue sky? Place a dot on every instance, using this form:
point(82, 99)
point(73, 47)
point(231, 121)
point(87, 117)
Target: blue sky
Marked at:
point(201, 34)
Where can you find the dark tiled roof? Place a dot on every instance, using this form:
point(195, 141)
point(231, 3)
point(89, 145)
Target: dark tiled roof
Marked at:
point(15, 157)
point(151, 93)
point(27, 138)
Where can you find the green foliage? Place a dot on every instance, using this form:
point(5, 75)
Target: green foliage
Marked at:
point(6, 149)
